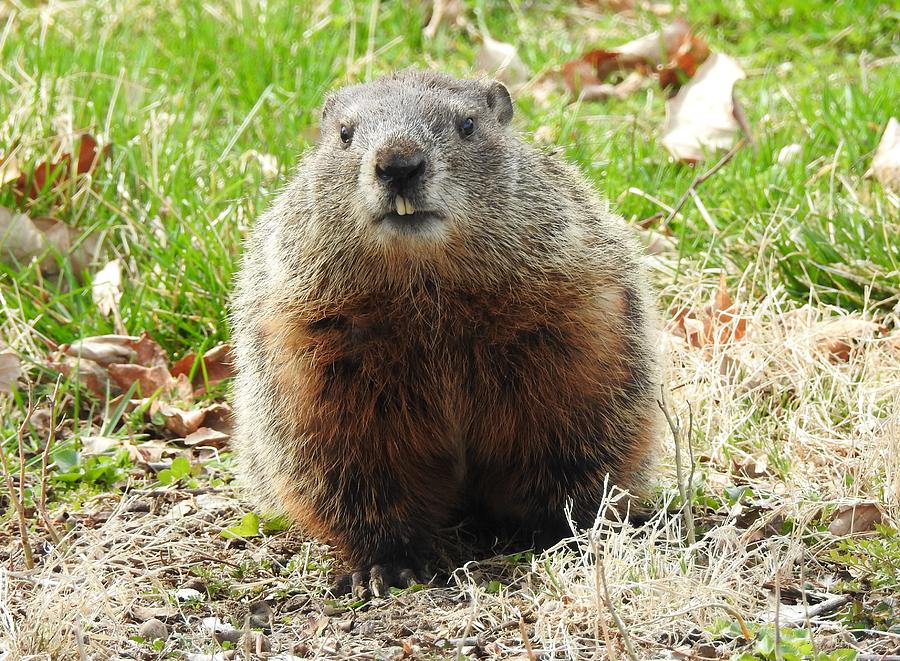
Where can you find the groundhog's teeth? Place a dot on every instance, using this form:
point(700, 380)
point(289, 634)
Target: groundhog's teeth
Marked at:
point(402, 206)
point(410, 209)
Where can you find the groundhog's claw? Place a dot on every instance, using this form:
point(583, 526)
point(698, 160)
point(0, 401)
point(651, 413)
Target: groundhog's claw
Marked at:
point(375, 581)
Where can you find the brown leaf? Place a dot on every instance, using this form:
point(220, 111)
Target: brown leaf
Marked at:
point(179, 421)
point(838, 337)
point(219, 417)
point(684, 62)
point(701, 116)
point(218, 362)
point(62, 170)
point(886, 163)
point(150, 379)
point(91, 374)
point(643, 54)
point(10, 365)
point(108, 349)
point(23, 238)
point(850, 519)
point(721, 322)
point(207, 437)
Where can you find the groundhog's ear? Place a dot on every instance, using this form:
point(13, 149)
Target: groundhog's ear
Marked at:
point(499, 101)
point(328, 105)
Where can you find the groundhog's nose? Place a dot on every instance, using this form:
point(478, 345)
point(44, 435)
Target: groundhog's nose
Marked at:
point(400, 170)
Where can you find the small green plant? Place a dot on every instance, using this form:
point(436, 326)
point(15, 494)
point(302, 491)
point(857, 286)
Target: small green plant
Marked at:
point(180, 469)
point(876, 558)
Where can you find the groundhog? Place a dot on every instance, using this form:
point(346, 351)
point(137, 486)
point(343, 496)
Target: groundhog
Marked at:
point(436, 320)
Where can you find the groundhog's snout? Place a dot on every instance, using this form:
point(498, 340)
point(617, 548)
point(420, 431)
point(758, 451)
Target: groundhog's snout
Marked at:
point(400, 167)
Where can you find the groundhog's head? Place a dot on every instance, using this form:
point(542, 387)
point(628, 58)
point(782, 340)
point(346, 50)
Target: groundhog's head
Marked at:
point(415, 157)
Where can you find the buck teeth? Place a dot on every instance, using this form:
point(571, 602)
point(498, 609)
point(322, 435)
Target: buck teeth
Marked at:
point(404, 206)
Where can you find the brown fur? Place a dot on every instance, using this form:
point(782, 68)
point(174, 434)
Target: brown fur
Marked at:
point(391, 383)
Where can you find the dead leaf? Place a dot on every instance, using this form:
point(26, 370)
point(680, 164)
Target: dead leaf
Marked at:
point(838, 337)
point(179, 421)
point(719, 323)
point(684, 62)
point(850, 519)
point(150, 379)
point(502, 61)
point(103, 349)
point(219, 417)
point(208, 438)
point(106, 289)
point(886, 163)
point(59, 172)
point(643, 54)
point(99, 444)
point(701, 115)
point(218, 364)
point(23, 238)
point(632, 83)
point(90, 373)
point(10, 366)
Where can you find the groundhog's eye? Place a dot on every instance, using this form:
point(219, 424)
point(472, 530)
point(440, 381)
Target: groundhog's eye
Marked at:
point(467, 127)
point(346, 134)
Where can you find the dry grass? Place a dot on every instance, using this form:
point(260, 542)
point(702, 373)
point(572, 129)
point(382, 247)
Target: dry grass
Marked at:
point(811, 434)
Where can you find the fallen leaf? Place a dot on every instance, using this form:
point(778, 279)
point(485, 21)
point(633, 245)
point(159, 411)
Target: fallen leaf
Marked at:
point(886, 163)
point(643, 54)
point(850, 519)
point(62, 170)
point(99, 444)
point(838, 337)
point(150, 379)
point(106, 289)
point(701, 115)
point(719, 323)
point(10, 365)
point(103, 349)
point(219, 417)
point(502, 61)
point(684, 62)
point(217, 362)
point(23, 238)
point(631, 84)
point(207, 437)
point(90, 373)
point(179, 421)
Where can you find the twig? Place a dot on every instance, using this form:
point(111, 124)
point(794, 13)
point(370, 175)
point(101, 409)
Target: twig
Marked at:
point(601, 622)
point(684, 490)
point(17, 496)
point(699, 179)
point(529, 650)
point(626, 639)
point(45, 456)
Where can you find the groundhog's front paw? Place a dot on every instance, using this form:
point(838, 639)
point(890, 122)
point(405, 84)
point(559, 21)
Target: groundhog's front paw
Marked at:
point(376, 581)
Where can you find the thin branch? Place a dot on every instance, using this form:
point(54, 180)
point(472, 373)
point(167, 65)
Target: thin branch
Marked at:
point(45, 457)
point(17, 496)
point(699, 179)
point(684, 490)
point(626, 638)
